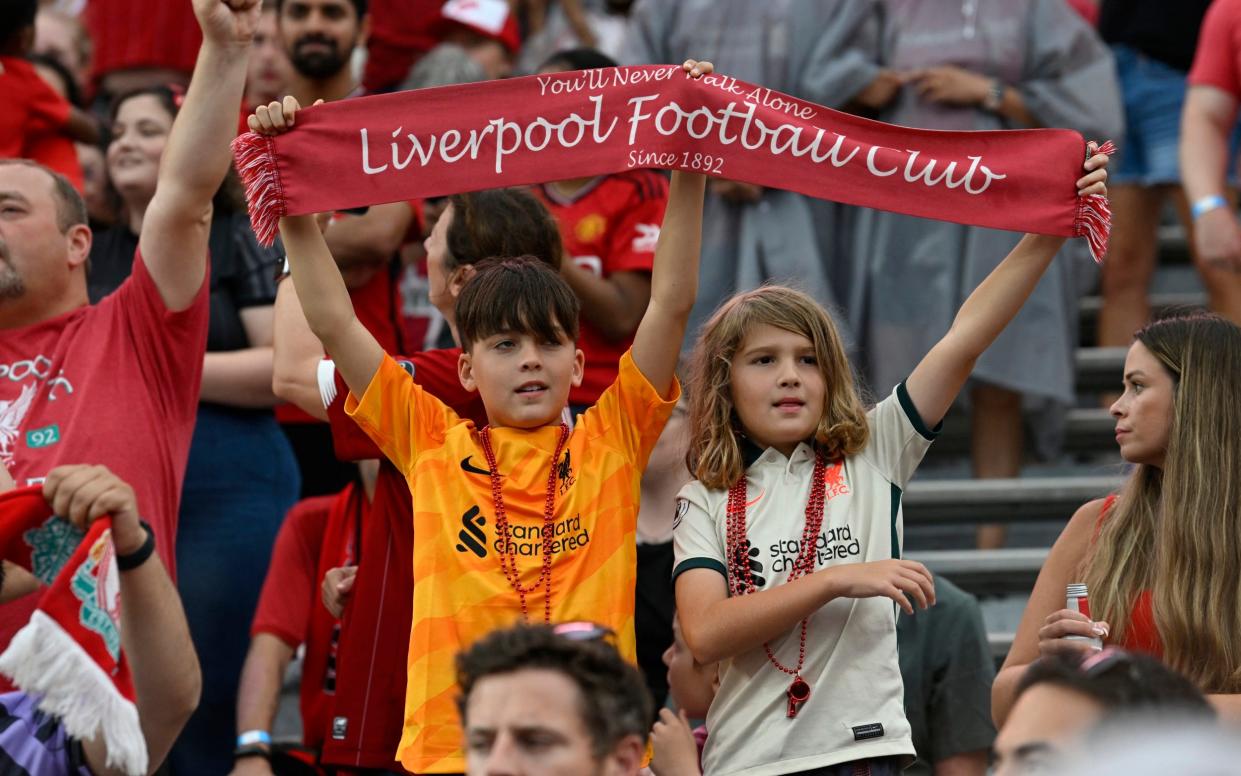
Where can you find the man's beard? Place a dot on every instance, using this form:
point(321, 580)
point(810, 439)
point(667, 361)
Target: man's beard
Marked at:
point(11, 285)
point(317, 65)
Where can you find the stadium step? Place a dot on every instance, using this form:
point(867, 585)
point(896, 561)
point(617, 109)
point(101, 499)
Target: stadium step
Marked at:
point(1002, 500)
point(1099, 370)
point(1161, 304)
point(1088, 430)
point(986, 572)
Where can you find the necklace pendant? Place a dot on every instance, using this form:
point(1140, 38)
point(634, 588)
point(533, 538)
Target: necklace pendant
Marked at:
point(799, 693)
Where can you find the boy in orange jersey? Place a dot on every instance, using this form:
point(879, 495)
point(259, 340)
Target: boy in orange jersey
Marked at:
point(523, 519)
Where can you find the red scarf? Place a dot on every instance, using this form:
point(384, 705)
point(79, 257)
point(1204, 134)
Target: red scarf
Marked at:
point(451, 139)
point(70, 651)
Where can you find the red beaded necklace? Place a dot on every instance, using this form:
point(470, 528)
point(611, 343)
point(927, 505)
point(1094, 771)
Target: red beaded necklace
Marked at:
point(508, 558)
point(741, 580)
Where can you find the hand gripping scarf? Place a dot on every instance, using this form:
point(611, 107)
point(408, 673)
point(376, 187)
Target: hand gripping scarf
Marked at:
point(68, 657)
point(435, 142)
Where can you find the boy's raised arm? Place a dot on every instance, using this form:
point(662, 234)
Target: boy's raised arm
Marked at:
point(674, 277)
point(674, 283)
point(320, 288)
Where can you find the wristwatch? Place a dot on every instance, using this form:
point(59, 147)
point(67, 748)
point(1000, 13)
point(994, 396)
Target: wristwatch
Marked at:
point(995, 96)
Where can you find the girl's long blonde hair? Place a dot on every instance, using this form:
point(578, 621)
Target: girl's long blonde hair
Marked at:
point(1177, 532)
point(714, 455)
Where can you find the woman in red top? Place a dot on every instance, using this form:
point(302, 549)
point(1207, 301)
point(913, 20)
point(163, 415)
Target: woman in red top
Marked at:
point(1162, 558)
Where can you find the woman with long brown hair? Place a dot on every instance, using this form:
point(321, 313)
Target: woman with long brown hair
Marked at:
point(1161, 558)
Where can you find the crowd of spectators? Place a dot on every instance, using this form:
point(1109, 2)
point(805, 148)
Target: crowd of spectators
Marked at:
point(221, 404)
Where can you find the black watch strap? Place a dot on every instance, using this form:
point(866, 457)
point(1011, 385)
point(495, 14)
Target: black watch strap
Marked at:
point(139, 556)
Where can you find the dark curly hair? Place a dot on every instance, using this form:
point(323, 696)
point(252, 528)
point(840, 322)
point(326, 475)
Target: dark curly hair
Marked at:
point(614, 700)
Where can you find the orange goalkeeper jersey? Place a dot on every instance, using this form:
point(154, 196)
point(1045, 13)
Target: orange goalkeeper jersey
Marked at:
point(460, 592)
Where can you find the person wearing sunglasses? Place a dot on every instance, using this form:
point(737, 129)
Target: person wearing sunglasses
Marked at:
point(1062, 698)
point(551, 701)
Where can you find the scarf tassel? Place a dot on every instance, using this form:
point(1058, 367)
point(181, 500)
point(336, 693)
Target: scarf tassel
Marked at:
point(255, 157)
point(1094, 216)
point(44, 660)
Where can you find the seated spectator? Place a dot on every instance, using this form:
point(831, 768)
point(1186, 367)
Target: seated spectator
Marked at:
point(1061, 699)
point(551, 701)
point(58, 150)
point(947, 669)
point(154, 638)
point(38, 122)
point(118, 382)
point(1154, 552)
point(609, 224)
point(318, 534)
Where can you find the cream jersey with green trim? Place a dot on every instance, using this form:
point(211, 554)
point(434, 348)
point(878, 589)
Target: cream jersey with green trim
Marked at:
point(855, 710)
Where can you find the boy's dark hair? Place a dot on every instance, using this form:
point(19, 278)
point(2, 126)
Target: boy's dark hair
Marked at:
point(522, 295)
point(359, 6)
point(501, 222)
point(579, 59)
point(16, 17)
point(1121, 682)
point(614, 700)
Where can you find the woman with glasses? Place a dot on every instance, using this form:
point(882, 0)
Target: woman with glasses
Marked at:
point(1161, 558)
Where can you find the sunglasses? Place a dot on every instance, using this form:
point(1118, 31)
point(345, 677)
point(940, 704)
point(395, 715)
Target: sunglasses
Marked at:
point(585, 631)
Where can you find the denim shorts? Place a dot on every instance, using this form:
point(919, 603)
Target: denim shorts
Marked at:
point(1153, 94)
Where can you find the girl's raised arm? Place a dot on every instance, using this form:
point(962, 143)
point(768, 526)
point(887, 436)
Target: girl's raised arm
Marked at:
point(935, 382)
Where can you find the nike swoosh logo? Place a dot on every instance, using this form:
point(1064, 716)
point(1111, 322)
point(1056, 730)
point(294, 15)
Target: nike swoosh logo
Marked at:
point(471, 468)
point(757, 498)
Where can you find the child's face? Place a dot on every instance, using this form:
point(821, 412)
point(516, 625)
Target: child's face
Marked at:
point(692, 684)
point(524, 382)
point(778, 390)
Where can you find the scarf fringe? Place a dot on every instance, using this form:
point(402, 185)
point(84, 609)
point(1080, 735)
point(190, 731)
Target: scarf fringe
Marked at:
point(255, 159)
point(44, 660)
point(1094, 216)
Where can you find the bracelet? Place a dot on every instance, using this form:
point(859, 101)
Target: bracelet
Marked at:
point(251, 737)
point(1206, 204)
point(283, 271)
point(139, 556)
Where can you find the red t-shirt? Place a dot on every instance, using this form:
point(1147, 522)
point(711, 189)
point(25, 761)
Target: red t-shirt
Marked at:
point(317, 534)
point(610, 226)
point(115, 383)
point(1218, 59)
point(34, 119)
point(142, 33)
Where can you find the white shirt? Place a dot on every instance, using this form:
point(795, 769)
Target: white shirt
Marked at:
point(855, 710)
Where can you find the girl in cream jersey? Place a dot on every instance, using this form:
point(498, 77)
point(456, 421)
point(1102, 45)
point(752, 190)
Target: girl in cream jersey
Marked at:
point(788, 542)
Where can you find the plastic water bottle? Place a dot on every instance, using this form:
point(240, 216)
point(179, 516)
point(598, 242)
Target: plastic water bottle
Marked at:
point(1077, 599)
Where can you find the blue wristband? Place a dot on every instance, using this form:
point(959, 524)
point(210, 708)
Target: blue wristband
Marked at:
point(1206, 204)
point(251, 737)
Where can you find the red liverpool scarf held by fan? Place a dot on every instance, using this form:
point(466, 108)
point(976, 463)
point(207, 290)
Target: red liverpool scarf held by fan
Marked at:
point(69, 655)
point(451, 139)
